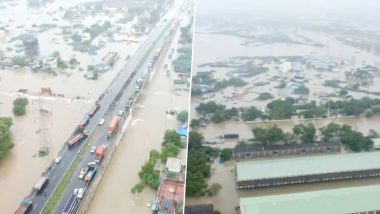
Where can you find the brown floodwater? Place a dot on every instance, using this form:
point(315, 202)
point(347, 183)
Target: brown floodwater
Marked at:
point(21, 169)
point(144, 133)
point(207, 49)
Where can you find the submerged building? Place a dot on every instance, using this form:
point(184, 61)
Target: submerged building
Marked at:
point(311, 169)
point(31, 46)
point(345, 200)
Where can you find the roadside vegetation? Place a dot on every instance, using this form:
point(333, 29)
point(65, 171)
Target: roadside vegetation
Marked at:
point(150, 172)
point(19, 106)
point(285, 109)
point(6, 143)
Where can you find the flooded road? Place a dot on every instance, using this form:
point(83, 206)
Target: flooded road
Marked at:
point(21, 169)
point(145, 133)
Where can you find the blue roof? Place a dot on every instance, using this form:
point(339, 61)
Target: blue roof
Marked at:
point(181, 131)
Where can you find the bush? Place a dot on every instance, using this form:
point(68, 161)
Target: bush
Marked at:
point(19, 105)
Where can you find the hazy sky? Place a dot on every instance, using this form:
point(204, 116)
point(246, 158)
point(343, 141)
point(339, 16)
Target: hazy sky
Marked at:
point(366, 9)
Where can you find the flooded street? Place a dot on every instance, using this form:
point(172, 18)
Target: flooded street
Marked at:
point(20, 170)
point(145, 133)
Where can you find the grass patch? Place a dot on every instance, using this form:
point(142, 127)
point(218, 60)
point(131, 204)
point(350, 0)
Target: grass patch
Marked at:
point(54, 199)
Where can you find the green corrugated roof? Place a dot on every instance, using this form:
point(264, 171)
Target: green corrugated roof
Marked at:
point(337, 201)
point(285, 167)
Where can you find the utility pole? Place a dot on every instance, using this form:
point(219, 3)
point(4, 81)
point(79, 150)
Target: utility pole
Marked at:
point(43, 118)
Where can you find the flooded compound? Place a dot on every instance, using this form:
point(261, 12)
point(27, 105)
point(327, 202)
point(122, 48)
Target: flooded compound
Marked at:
point(21, 169)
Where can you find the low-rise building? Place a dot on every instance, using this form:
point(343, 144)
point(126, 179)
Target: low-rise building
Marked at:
point(249, 151)
point(200, 209)
point(344, 200)
point(174, 170)
point(310, 169)
point(169, 199)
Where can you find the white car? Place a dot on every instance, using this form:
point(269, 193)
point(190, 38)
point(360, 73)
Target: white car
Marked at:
point(76, 191)
point(80, 193)
point(101, 121)
point(82, 173)
point(137, 88)
point(92, 151)
point(92, 164)
point(121, 112)
point(57, 159)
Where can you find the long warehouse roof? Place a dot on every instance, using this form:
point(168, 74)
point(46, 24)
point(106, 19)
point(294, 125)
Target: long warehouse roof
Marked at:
point(308, 165)
point(336, 201)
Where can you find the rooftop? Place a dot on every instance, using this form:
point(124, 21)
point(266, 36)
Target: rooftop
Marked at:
point(173, 165)
point(259, 147)
point(287, 167)
point(200, 209)
point(345, 200)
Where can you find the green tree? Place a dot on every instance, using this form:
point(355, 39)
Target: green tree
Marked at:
point(138, 188)
point(302, 90)
point(169, 150)
point(183, 116)
point(195, 140)
point(171, 136)
point(6, 143)
point(330, 131)
point(281, 109)
point(195, 123)
point(250, 114)
point(214, 188)
point(19, 61)
point(226, 154)
point(271, 135)
point(305, 133)
point(19, 106)
point(195, 184)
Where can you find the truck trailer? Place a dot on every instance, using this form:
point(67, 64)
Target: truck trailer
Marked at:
point(41, 183)
point(84, 121)
point(114, 124)
point(100, 152)
point(77, 138)
point(93, 110)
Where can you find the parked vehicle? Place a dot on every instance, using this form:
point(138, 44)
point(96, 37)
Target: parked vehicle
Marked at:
point(137, 88)
point(92, 164)
point(90, 175)
point(121, 112)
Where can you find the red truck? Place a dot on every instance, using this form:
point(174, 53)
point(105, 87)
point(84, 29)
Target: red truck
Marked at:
point(77, 138)
point(112, 127)
point(93, 110)
point(100, 152)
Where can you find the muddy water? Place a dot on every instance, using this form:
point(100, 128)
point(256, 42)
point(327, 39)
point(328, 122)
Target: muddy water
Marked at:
point(53, 40)
point(212, 131)
point(145, 132)
point(19, 171)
